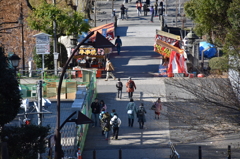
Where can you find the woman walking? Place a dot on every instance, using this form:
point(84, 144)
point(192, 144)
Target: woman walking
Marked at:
point(131, 110)
point(141, 116)
point(158, 108)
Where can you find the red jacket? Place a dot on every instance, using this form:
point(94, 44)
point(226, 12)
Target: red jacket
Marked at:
point(139, 4)
point(130, 89)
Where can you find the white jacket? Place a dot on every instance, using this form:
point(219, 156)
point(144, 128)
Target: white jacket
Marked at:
point(113, 118)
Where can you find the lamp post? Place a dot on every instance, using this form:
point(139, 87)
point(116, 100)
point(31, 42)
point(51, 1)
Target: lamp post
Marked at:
point(20, 21)
point(15, 61)
point(193, 46)
point(57, 130)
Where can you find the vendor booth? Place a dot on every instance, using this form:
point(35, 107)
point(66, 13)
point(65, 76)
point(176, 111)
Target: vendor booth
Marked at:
point(173, 57)
point(92, 55)
point(107, 30)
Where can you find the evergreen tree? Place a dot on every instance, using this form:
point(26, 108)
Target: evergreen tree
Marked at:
point(10, 97)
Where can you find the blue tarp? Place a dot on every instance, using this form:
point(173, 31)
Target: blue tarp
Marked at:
point(211, 52)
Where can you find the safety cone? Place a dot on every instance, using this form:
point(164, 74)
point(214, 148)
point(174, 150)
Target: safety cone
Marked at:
point(79, 155)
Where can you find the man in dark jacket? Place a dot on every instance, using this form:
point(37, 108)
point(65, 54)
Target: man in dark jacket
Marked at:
point(95, 111)
point(122, 11)
point(119, 86)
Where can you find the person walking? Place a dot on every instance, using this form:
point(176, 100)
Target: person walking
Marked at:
point(115, 122)
point(119, 86)
point(158, 108)
point(130, 87)
point(106, 124)
point(156, 7)
point(152, 13)
point(131, 110)
point(139, 7)
point(109, 68)
point(145, 9)
point(141, 116)
point(118, 44)
point(95, 112)
point(122, 11)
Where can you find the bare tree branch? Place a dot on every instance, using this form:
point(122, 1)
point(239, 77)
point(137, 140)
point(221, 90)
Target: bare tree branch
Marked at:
point(29, 5)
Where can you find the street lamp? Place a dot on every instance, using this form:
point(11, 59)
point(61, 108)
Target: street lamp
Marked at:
point(20, 21)
point(193, 45)
point(15, 61)
point(191, 36)
point(57, 130)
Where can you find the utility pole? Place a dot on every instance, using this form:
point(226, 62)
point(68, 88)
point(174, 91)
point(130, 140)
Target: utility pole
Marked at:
point(55, 41)
point(176, 15)
point(21, 22)
point(95, 14)
point(39, 89)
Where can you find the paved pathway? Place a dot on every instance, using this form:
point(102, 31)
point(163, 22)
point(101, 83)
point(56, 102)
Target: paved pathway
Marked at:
point(137, 60)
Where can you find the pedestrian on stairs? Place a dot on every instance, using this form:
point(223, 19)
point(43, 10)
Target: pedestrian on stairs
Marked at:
point(109, 68)
point(141, 116)
point(152, 13)
point(139, 7)
point(130, 87)
point(115, 122)
point(119, 86)
point(131, 111)
point(158, 108)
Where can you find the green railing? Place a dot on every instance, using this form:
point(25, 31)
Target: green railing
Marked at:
point(86, 109)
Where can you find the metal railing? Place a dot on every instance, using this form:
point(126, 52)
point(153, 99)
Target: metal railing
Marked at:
point(174, 154)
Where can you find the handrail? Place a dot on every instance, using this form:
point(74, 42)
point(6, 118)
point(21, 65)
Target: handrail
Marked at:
point(174, 154)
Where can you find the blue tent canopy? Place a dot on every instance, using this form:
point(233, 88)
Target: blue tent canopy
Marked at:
point(209, 53)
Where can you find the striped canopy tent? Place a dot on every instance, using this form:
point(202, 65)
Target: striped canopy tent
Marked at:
point(109, 31)
point(177, 63)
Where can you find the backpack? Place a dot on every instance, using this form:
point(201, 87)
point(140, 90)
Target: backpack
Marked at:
point(119, 85)
point(131, 85)
point(140, 112)
point(115, 123)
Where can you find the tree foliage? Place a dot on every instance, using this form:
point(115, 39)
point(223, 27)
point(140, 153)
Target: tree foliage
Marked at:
point(211, 18)
point(25, 142)
point(48, 58)
point(68, 21)
point(10, 97)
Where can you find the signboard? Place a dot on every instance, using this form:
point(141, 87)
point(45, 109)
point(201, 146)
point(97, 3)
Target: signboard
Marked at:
point(42, 43)
point(166, 39)
point(42, 48)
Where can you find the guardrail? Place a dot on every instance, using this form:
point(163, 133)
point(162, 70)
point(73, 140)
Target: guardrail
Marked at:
point(174, 154)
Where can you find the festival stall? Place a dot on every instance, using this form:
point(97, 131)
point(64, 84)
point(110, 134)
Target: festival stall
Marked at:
point(92, 55)
point(173, 57)
point(107, 30)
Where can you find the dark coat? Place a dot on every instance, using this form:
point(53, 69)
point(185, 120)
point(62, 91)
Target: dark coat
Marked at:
point(122, 10)
point(141, 118)
point(120, 83)
point(130, 89)
point(95, 108)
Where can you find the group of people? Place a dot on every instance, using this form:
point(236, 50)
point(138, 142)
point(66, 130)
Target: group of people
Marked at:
point(107, 121)
point(111, 121)
point(141, 111)
point(154, 10)
point(130, 85)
